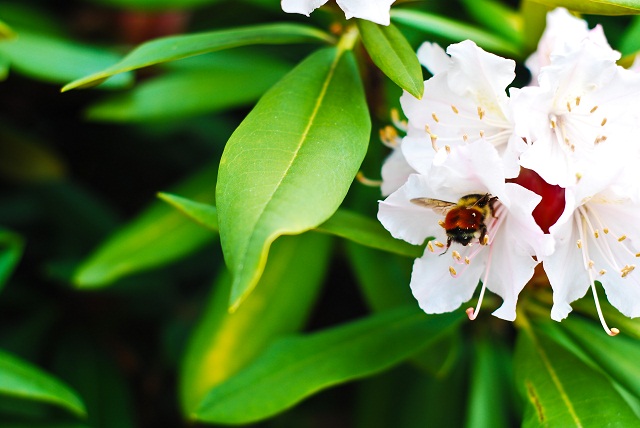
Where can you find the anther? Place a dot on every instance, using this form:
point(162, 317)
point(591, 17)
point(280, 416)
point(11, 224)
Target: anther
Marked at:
point(637, 254)
point(602, 272)
point(485, 240)
point(441, 223)
point(605, 230)
point(427, 129)
point(434, 137)
point(452, 271)
point(626, 270)
point(467, 260)
point(596, 233)
point(578, 176)
point(622, 238)
point(456, 255)
point(435, 117)
point(553, 124)
point(604, 122)
point(579, 243)
point(480, 112)
point(593, 109)
point(568, 106)
point(577, 101)
point(430, 246)
point(591, 264)
point(367, 181)
point(465, 137)
point(455, 110)
point(439, 244)
point(447, 148)
point(481, 134)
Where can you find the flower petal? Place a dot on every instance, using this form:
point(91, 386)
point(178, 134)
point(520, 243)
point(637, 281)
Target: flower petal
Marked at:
point(395, 172)
point(434, 58)
point(304, 7)
point(372, 10)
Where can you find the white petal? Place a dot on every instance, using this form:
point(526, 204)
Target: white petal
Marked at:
point(406, 220)
point(304, 7)
point(395, 172)
point(434, 287)
point(372, 10)
point(434, 58)
point(418, 152)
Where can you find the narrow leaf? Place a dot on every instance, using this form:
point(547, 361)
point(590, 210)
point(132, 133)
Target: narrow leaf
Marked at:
point(393, 54)
point(560, 389)
point(366, 231)
point(177, 47)
point(156, 237)
point(453, 30)
point(57, 60)
point(496, 16)
point(11, 246)
point(205, 214)
point(161, 5)
point(224, 343)
point(23, 380)
point(296, 367)
point(597, 7)
point(290, 163)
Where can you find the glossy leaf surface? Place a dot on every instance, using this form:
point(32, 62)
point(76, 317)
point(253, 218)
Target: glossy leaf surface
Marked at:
point(393, 54)
point(296, 367)
point(224, 343)
point(597, 7)
point(23, 380)
point(289, 164)
point(178, 47)
point(11, 246)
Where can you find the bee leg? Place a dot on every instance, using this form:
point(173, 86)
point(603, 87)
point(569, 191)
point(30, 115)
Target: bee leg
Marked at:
point(448, 245)
point(483, 234)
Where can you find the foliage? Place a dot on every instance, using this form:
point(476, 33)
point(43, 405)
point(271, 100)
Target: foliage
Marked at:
point(186, 235)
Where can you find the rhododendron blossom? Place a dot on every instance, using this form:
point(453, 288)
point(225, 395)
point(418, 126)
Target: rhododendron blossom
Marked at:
point(372, 10)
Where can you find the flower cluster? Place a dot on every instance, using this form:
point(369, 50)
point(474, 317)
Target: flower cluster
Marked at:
point(503, 181)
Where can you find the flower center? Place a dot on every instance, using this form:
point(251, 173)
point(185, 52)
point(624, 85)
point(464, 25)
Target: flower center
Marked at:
point(579, 125)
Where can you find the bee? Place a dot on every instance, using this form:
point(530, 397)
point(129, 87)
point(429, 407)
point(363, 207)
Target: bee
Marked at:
point(464, 220)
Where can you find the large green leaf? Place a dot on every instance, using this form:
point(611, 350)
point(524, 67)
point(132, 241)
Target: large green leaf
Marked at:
point(228, 81)
point(562, 391)
point(224, 343)
point(25, 381)
point(454, 30)
point(496, 16)
point(393, 54)
point(57, 60)
point(204, 214)
point(177, 47)
point(156, 237)
point(290, 163)
point(11, 246)
point(296, 367)
point(5, 31)
point(597, 7)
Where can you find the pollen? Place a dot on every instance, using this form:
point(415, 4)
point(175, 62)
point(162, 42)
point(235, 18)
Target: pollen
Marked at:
point(553, 124)
point(626, 270)
point(481, 112)
point(441, 223)
point(637, 254)
point(622, 238)
point(577, 101)
point(439, 244)
point(435, 117)
point(456, 255)
point(596, 233)
point(467, 260)
point(569, 106)
point(430, 246)
point(452, 271)
point(605, 230)
point(455, 109)
point(593, 109)
point(604, 122)
point(579, 243)
point(602, 272)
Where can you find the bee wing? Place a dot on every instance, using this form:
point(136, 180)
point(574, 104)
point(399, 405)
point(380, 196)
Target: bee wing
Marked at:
point(441, 207)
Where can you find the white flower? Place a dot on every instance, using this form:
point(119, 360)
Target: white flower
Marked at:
point(372, 10)
point(501, 258)
point(585, 105)
point(464, 101)
point(395, 169)
point(598, 239)
point(563, 34)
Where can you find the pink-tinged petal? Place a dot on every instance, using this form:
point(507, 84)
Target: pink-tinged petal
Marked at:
point(407, 220)
point(468, 169)
point(372, 10)
point(395, 172)
point(434, 58)
point(304, 7)
point(436, 290)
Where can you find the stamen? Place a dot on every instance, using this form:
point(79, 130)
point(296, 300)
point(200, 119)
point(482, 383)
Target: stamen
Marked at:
point(447, 148)
point(593, 109)
point(395, 118)
point(481, 134)
point(622, 238)
point(367, 181)
point(627, 269)
point(591, 264)
point(427, 129)
point(467, 260)
point(605, 230)
point(455, 110)
point(485, 240)
point(473, 313)
point(596, 233)
point(435, 117)
point(602, 272)
point(568, 106)
point(434, 137)
point(480, 112)
point(553, 124)
point(452, 271)
point(637, 254)
point(604, 122)
point(465, 137)
point(577, 101)
point(579, 243)
point(389, 136)
point(578, 176)
point(456, 255)
point(441, 223)
point(430, 246)
point(438, 244)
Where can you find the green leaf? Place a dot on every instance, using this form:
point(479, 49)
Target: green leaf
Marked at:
point(560, 389)
point(156, 237)
point(177, 47)
point(597, 7)
point(296, 367)
point(289, 164)
point(393, 54)
point(160, 5)
point(205, 214)
point(6, 32)
point(230, 82)
point(497, 16)
point(25, 159)
point(366, 231)
point(454, 30)
point(22, 380)
point(11, 246)
point(630, 42)
point(57, 60)
point(4, 67)
point(224, 343)
point(617, 356)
